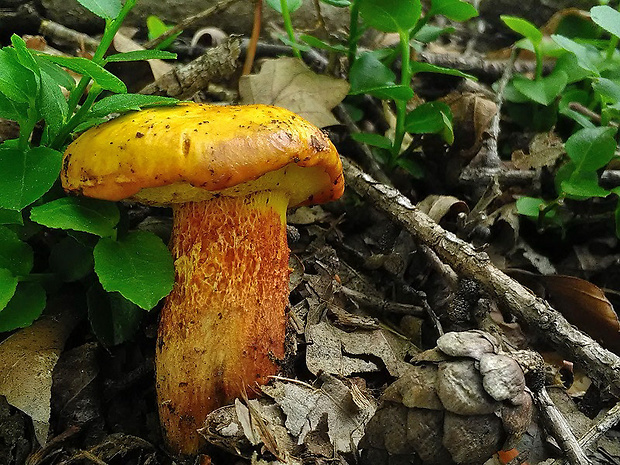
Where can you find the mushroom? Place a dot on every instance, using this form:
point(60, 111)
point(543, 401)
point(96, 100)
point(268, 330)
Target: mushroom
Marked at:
point(230, 173)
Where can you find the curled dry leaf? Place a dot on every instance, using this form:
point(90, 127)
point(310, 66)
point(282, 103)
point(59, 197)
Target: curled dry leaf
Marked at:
point(438, 206)
point(472, 115)
point(288, 83)
point(27, 359)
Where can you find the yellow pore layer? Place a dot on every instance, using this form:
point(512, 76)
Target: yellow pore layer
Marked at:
point(222, 328)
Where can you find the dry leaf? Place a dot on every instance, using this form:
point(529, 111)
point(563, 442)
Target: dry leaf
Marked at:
point(341, 353)
point(288, 83)
point(545, 150)
point(306, 408)
point(438, 206)
point(581, 302)
point(27, 359)
point(472, 115)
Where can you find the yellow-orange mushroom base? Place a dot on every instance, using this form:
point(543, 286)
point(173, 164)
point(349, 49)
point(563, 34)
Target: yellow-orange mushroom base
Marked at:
point(222, 328)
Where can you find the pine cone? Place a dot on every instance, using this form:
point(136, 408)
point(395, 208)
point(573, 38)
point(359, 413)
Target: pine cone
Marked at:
point(459, 403)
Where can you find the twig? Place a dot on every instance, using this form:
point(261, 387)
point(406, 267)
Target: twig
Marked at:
point(489, 152)
point(477, 65)
point(217, 64)
point(585, 111)
point(559, 428)
point(251, 49)
point(69, 37)
point(383, 305)
point(604, 424)
point(463, 258)
point(188, 22)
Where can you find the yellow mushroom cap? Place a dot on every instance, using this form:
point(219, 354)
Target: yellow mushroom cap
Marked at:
point(192, 152)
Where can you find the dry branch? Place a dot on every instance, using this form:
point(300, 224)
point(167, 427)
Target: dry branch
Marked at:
point(536, 313)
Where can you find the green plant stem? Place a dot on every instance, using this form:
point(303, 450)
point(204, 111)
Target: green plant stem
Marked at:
point(111, 28)
point(288, 26)
point(26, 127)
point(401, 105)
point(611, 48)
point(76, 118)
point(353, 31)
point(539, 62)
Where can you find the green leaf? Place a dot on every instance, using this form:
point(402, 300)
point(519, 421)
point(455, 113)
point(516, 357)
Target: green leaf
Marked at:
point(429, 33)
point(25, 56)
point(8, 284)
point(106, 9)
point(583, 185)
point(79, 214)
point(318, 43)
point(157, 27)
point(607, 88)
point(591, 148)
point(544, 90)
point(12, 110)
point(583, 53)
point(376, 140)
point(456, 10)
point(412, 167)
point(606, 17)
point(139, 55)
point(428, 118)
point(293, 5)
point(138, 266)
point(391, 15)
point(57, 73)
point(113, 318)
point(419, 67)
point(369, 75)
point(27, 304)
point(121, 103)
point(27, 175)
point(10, 217)
point(71, 260)
point(579, 96)
point(568, 64)
point(53, 104)
point(523, 27)
point(368, 72)
point(16, 81)
point(15, 255)
point(337, 3)
point(89, 123)
point(89, 68)
point(530, 206)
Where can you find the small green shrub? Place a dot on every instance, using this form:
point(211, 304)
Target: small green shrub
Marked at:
point(82, 240)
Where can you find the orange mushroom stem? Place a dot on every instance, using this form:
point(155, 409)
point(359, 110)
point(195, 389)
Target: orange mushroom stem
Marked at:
point(224, 321)
point(230, 174)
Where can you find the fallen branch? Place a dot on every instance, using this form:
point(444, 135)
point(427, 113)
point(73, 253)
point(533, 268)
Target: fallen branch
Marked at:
point(536, 313)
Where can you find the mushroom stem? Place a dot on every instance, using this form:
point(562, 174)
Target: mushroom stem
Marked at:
point(222, 327)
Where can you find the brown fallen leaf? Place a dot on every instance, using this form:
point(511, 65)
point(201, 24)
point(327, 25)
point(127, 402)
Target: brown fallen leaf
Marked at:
point(438, 206)
point(582, 303)
point(545, 150)
point(288, 83)
point(27, 359)
point(472, 114)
